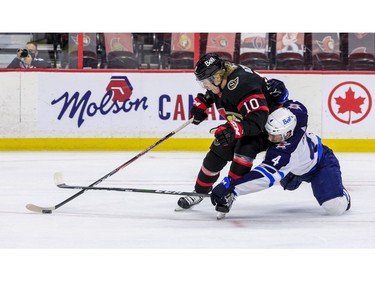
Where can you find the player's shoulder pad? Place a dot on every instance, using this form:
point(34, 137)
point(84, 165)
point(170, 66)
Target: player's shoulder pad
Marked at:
point(295, 106)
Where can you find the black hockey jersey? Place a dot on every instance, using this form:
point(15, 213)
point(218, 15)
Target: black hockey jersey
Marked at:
point(245, 98)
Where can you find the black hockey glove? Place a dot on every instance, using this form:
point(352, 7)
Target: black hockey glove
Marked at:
point(227, 133)
point(277, 90)
point(291, 182)
point(198, 110)
point(220, 191)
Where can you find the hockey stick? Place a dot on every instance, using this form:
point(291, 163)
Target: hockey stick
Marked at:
point(131, 189)
point(48, 210)
point(61, 184)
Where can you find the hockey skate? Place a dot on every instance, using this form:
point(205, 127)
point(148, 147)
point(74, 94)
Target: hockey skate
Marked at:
point(187, 202)
point(346, 194)
point(223, 209)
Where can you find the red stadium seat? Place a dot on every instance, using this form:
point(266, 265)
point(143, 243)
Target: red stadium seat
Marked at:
point(223, 44)
point(90, 57)
point(182, 51)
point(119, 50)
point(361, 51)
point(327, 61)
point(290, 51)
point(326, 52)
point(254, 50)
point(361, 61)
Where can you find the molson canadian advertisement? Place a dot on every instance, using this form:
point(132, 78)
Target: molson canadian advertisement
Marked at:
point(119, 104)
point(138, 105)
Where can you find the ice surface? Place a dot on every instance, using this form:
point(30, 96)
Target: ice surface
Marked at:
point(109, 220)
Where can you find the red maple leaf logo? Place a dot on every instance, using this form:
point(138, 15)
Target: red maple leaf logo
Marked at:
point(350, 103)
point(355, 104)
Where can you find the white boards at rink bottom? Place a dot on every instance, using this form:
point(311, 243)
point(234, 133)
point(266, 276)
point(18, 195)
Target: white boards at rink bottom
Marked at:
point(115, 110)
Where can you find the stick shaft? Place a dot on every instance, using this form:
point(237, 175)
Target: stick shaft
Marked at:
point(131, 189)
point(125, 164)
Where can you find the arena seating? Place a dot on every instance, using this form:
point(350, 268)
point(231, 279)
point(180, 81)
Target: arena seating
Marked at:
point(119, 50)
point(90, 53)
point(361, 51)
point(254, 50)
point(222, 44)
point(260, 51)
point(290, 51)
point(326, 54)
point(182, 51)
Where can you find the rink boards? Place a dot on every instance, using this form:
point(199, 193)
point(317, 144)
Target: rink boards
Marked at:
point(113, 110)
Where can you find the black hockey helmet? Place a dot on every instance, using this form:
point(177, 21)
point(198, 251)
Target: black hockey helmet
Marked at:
point(207, 66)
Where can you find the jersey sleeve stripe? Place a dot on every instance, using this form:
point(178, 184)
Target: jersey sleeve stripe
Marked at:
point(261, 108)
point(266, 174)
point(254, 96)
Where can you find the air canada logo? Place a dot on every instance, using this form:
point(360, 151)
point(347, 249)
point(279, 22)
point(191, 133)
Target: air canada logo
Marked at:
point(115, 101)
point(350, 102)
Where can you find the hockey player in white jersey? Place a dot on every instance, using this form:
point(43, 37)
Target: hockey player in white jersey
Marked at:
point(295, 156)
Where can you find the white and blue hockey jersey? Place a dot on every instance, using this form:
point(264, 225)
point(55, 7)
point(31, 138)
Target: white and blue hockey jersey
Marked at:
point(298, 155)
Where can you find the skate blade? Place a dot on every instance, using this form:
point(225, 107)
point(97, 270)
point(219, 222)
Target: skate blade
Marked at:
point(179, 209)
point(220, 215)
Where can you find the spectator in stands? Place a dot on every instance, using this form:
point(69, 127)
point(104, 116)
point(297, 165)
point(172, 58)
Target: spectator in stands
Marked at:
point(28, 58)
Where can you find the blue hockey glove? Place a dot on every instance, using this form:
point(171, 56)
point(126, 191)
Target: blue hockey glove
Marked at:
point(291, 182)
point(277, 90)
point(220, 191)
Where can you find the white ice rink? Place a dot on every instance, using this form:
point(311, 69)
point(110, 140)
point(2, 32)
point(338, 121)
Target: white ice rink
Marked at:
point(109, 220)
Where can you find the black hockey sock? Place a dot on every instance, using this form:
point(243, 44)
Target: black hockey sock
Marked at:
point(205, 182)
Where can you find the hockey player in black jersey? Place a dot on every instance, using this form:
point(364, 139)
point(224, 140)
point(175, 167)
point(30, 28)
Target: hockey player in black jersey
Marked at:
point(245, 99)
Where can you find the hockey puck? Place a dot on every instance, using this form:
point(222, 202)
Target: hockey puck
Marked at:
point(47, 212)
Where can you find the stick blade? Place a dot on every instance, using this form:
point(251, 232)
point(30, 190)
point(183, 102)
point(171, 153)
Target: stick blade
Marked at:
point(59, 178)
point(37, 209)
